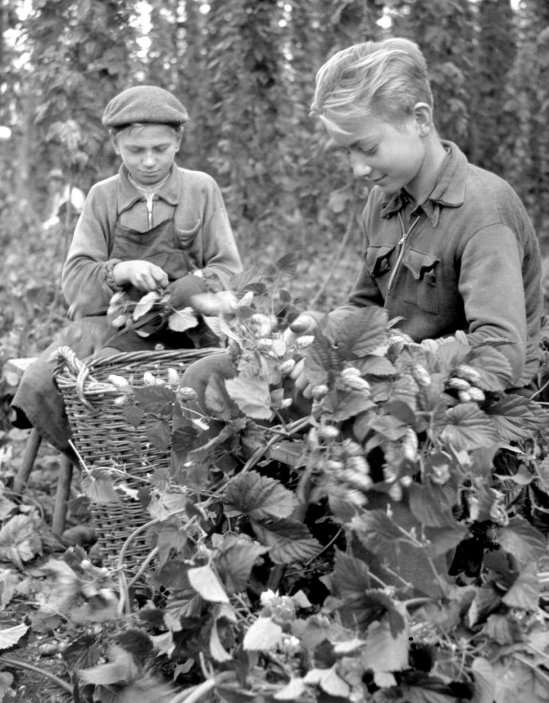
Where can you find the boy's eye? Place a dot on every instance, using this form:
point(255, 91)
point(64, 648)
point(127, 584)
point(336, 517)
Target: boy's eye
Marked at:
point(370, 151)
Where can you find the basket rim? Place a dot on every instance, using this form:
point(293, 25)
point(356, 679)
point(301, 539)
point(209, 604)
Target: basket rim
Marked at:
point(68, 364)
point(71, 372)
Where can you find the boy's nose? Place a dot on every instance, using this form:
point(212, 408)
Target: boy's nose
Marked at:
point(360, 168)
point(148, 158)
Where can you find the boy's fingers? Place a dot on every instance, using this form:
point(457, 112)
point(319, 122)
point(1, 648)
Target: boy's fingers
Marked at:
point(142, 274)
point(160, 277)
point(303, 324)
point(151, 277)
point(300, 382)
point(297, 371)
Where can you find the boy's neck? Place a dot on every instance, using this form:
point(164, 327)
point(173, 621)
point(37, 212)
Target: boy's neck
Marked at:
point(422, 186)
point(147, 190)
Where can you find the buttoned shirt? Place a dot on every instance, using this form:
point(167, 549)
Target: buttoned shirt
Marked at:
point(465, 259)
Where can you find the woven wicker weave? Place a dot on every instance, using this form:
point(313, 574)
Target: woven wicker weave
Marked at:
point(105, 439)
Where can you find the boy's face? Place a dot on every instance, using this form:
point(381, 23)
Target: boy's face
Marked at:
point(388, 155)
point(147, 151)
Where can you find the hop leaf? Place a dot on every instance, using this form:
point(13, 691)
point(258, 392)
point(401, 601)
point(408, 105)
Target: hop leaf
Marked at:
point(258, 497)
point(522, 540)
point(289, 540)
point(516, 417)
point(182, 320)
point(236, 562)
point(263, 635)
point(468, 428)
point(98, 487)
point(205, 582)
point(359, 332)
point(12, 635)
point(20, 540)
point(146, 304)
point(252, 395)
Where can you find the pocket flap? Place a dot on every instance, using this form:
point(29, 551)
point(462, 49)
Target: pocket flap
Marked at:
point(419, 263)
point(377, 260)
point(186, 236)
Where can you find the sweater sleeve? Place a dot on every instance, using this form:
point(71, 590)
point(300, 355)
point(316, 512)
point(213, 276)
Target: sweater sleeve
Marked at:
point(365, 290)
point(492, 289)
point(215, 250)
point(87, 273)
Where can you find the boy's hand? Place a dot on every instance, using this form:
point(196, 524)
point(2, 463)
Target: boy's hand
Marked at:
point(142, 274)
point(300, 382)
point(304, 323)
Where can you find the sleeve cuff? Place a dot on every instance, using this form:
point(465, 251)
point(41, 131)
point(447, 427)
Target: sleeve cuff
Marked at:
point(109, 275)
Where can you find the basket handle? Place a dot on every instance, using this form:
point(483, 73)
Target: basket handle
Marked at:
point(79, 369)
point(73, 363)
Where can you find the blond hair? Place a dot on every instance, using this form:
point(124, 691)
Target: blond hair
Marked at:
point(385, 79)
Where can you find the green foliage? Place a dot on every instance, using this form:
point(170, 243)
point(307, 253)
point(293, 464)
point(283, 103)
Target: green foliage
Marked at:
point(444, 31)
point(378, 544)
point(493, 57)
point(76, 49)
point(526, 103)
point(384, 545)
point(246, 71)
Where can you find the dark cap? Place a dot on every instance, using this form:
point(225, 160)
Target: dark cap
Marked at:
point(144, 103)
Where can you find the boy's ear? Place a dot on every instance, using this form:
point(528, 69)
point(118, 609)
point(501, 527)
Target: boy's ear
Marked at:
point(114, 142)
point(423, 115)
point(179, 137)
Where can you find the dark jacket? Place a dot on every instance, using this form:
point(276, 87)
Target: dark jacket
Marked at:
point(470, 262)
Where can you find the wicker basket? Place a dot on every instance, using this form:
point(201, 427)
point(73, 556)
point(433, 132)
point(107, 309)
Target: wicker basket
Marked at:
point(104, 438)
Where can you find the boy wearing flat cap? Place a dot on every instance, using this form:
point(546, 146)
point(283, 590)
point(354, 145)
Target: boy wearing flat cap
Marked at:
point(153, 226)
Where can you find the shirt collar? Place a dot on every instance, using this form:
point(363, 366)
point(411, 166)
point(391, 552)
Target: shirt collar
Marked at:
point(449, 190)
point(128, 194)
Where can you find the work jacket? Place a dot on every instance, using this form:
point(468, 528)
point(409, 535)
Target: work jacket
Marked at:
point(191, 198)
point(465, 259)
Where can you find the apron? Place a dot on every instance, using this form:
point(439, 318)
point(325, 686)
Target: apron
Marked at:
point(161, 246)
point(158, 245)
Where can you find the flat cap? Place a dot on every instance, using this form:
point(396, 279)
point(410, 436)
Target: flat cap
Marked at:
point(144, 103)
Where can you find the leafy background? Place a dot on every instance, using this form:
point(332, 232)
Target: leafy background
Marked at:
point(245, 69)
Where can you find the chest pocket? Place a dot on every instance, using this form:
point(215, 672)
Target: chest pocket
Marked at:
point(186, 237)
point(421, 285)
point(378, 260)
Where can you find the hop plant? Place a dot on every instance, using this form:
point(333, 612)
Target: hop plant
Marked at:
point(468, 373)
point(328, 432)
point(458, 384)
point(421, 376)
point(477, 394)
point(410, 445)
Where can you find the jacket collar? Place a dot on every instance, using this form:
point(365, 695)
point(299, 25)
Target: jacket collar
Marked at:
point(449, 190)
point(128, 194)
